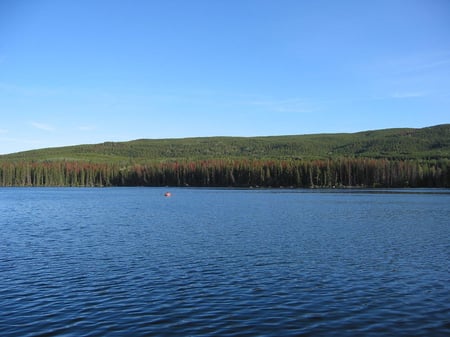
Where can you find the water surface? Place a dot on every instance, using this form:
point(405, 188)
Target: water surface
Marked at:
point(130, 262)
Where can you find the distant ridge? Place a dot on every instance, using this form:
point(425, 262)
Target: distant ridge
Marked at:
point(399, 143)
point(381, 158)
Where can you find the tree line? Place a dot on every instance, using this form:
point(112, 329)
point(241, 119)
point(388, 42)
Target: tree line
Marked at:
point(342, 172)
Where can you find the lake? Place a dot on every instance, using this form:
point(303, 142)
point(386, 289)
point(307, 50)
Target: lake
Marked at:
point(224, 262)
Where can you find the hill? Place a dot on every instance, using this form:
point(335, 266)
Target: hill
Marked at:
point(405, 143)
point(380, 158)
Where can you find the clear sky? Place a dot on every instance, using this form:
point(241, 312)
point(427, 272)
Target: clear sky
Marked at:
point(88, 71)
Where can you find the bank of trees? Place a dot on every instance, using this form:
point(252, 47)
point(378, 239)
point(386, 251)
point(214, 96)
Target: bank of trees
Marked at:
point(356, 172)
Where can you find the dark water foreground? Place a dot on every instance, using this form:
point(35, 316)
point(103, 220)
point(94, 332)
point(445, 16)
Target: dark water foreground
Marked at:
point(130, 262)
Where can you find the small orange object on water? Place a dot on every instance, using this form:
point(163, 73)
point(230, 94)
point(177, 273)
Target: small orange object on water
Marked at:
point(167, 194)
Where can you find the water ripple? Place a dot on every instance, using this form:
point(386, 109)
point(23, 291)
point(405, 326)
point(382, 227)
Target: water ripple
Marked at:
point(127, 262)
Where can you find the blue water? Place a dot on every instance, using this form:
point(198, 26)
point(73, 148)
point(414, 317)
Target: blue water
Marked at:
point(204, 262)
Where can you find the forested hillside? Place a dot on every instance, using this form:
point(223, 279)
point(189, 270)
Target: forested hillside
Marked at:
point(381, 158)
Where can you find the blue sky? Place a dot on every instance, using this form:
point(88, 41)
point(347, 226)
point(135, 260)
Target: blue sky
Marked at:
point(74, 72)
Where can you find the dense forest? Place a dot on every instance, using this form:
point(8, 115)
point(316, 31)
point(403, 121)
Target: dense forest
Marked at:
point(383, 158)
point(237, 173)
